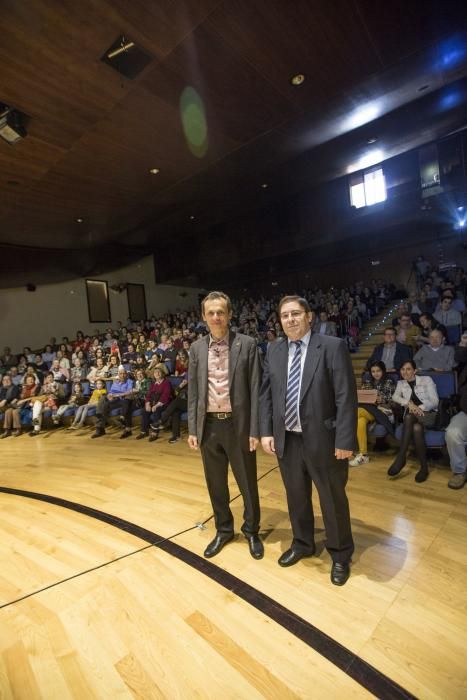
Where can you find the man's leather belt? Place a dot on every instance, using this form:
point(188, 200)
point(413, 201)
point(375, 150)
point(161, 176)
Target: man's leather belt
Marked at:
point(220, 416)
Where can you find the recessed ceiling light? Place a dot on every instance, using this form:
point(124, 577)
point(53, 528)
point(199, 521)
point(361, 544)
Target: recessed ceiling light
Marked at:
point(154, 171)
point(79, 220)
point(264, 185)
point(372, 140)
point(297, 79)
point(192, 218)
point(423, 87)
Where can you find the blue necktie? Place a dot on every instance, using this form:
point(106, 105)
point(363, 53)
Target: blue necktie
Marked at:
point(293, 385)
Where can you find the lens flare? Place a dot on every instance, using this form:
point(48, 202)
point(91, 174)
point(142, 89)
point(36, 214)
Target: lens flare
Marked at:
point(194, 123)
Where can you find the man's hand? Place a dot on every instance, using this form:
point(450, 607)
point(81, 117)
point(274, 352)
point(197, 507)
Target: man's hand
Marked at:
point(267, 443)
point(254, 442)
point(342, 454)
point(193, 442)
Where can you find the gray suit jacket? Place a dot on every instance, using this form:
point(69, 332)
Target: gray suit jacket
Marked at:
point(244, 382)
point(328, 397)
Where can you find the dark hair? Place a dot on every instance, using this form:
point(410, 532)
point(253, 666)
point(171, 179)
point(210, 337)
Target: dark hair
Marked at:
point(294, 297)
point(380, 366)
point(212, 296)
point(390, 328)
point(428, 316)
point(409, 362)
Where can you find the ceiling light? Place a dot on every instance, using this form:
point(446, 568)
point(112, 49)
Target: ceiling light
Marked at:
point(79, 220)
point(371, 141)
point(192, 218)
point(264, 185)
point(297, 79)
point(11, 125)
point(154, 171)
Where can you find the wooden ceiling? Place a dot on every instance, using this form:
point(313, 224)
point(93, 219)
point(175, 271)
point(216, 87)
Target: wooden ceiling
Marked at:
point(93, 135)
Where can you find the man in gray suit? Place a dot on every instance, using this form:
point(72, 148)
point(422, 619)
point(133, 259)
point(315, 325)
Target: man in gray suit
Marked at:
point(308, 418)
point(223, 390)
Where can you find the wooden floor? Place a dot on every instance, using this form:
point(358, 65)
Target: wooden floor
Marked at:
point(90, 611)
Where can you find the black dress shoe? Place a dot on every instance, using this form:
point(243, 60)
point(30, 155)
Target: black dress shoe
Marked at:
point(125, 434)
point(292, 556)
point(340, 572)
point(99, 433)
point(256, 546)
point(216, 545)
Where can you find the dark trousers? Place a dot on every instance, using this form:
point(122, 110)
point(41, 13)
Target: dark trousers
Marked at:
point(149, 417)
point(221, 445)
point(173, 412)
point(104, 406)
point(298, 473)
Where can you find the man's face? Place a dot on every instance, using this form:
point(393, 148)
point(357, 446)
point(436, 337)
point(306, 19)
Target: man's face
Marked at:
point(436, 339)
point(217, 317)
point(295, 320)
point(389, 336)
point(323, 317)
point(405, 322)
point(6, 381)
point(446, 304)
point(122, 375)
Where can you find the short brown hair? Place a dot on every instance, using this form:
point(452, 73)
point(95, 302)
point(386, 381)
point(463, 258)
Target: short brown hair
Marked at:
point(217, 295)
point(294, 297)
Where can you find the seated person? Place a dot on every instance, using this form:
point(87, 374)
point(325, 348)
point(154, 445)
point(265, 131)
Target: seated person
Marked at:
point(141, 388)
point(169, 355)
point(324, 326)
point(9, 395)
point(129, 357)
point(63, 363)
point(17, 409)
point(156, 400)
point(48, 397)
point(31, 371)
point(41, 367)
point(181, 363)
point(120, 396)
point(76, 399)
point(98, 371)
point(78, 371)
point(140, 363)
point(456, 303)
point(8, 360)
point(15, 377)
point(83, 409)
point(419, 398)
point(456, 440)
point(390, 352)
point(113, 367)
point(173, 412)
point(60, 374)
point(381, 411)
point(407, 332)
point(436, 355)
point(446, 314)
point(402, 310)
point(48, 355)
point(427, 324)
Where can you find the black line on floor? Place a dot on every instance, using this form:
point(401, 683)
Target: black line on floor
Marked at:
point(355, 667)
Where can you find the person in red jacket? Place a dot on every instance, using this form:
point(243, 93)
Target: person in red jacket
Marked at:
point(157, 399)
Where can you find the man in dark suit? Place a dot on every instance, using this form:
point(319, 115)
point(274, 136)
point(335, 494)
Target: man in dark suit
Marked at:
point(223, 390)
point(308, 418)
point(392, 353)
